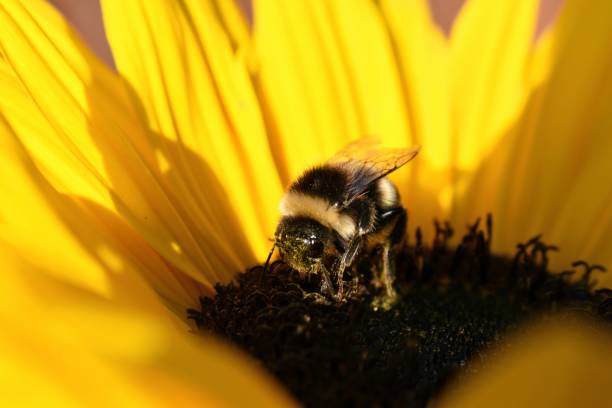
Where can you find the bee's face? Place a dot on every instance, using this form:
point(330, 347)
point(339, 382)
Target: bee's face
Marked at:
point(301, 242)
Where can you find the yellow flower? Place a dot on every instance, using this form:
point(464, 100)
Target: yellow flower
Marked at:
point(126, 197)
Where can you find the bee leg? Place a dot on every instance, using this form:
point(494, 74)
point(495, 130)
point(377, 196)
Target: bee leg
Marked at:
point(396, 219)
point(388, 275)
point(353, 287)
point(346, 259)
point(326, 285)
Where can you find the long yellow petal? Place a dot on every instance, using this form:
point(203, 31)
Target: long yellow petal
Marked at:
point(555, 365)
point(373, 70)
point(490, 51)
point(197, 96)
point(422, 52)
point(39, 223)
point(545, 176)
point(60, 165)
point(102, 149)
point(79, 324)
point(568, 195)
point(76, 348)
point(26, 222)
point(303, 84)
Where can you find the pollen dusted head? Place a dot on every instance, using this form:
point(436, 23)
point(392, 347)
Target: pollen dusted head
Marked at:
point(302, 242)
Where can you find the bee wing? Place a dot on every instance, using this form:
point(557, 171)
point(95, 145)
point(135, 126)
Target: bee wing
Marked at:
point(369, 163)
point(360, 148)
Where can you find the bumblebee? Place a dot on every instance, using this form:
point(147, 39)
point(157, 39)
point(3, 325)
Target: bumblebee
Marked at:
point(335, 210)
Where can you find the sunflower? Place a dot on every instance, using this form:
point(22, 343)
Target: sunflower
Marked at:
point(128, 194)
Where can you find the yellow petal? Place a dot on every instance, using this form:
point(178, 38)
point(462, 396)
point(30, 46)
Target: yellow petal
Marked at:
point(78, 323)
point(234, 21)
point(26, 221)
point(102, 149)
point(545, 176)
point(197, 95)
point(373, 70)
point(491, 44)
point(75, 348)
point(498, 183)
point(556, 365)
point(23, 111)
point(303, 84)
point(422, 53)
point(573, 126)
point(61, 166)
point(39, 223)
point(24, 208)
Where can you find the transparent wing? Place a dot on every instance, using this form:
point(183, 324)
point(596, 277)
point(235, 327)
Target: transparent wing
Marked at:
point(368, 162)
point(358, 149)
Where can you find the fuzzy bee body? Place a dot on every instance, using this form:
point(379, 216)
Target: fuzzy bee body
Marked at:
point(336, 209)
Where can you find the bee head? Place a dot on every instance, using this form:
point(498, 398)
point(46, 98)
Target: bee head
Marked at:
point(302, 242)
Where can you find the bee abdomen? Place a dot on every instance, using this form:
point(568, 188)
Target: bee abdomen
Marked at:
point(387, 196)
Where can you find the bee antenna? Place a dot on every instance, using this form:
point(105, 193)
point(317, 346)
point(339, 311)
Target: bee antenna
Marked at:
point(269, 256)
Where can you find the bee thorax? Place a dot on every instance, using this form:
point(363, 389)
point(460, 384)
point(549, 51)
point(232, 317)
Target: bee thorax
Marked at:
point(295, 204)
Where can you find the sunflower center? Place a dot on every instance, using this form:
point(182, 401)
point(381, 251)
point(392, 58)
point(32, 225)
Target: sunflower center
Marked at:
point(453, 305)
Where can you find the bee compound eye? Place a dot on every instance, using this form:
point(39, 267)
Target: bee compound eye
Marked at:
point(316, 249)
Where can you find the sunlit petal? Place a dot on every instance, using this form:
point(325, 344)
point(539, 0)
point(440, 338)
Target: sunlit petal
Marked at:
point(303, 84)
point(490, 48)
point(102, 148)
point(571, 136)
point(373, 70)
point(197, 96)
point(72, 226)
point(422, 52)
point(77, 317)
point(68, 344)
point(23, 209)
point(545, 175)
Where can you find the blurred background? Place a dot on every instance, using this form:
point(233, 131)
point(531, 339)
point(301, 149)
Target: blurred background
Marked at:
point(86, 16)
